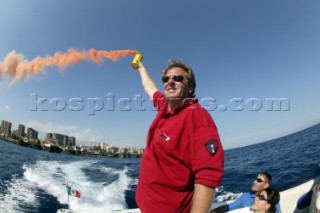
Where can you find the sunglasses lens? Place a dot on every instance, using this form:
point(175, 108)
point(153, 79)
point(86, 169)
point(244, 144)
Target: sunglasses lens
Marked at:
point(165, 79)
point(178, 78)
point(261, 197)
point(259, 180)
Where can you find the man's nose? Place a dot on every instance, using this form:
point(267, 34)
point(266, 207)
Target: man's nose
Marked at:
point(171, 80)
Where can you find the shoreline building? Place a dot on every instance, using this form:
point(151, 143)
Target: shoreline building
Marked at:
point(32, 134)
point(5, 128)
point(71, 141)
point(21, 130)
point(62, 139)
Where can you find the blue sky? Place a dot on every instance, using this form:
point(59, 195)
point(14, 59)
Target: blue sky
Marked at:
point(239, 50)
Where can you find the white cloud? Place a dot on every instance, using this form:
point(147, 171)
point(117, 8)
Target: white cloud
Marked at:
point(83, 136)
point(7, 107)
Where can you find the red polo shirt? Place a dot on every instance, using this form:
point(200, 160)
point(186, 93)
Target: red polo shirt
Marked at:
point(183, 148)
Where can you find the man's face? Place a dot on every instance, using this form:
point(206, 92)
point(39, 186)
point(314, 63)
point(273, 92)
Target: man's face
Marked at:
point(175, 90)
point(259, 184)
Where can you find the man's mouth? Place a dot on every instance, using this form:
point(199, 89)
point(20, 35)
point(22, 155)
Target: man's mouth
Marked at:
point(171, 89)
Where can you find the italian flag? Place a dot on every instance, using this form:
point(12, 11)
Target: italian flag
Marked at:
point(73, 192)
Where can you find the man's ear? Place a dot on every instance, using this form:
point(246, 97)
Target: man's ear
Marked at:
point(266, 185)
point(191, 89)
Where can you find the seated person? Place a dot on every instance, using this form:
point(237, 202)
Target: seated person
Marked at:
point(265, 202)
point(262, 182)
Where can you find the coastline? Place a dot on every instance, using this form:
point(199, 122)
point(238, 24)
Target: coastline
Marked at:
point(69, 150)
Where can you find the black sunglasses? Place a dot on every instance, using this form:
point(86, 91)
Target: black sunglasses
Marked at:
point(177, 78)
point(259, 180)
point(261, 197)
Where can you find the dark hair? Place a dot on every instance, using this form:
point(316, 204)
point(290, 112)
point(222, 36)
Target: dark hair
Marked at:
point(190, 76)
point(273, 199)
point(267, 176)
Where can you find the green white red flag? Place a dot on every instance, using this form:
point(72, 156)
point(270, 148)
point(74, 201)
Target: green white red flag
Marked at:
point(73, 192)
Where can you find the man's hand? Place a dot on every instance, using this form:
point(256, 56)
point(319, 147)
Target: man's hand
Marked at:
point(141, 66)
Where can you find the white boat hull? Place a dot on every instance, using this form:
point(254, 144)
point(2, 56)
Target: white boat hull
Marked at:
point(289, 198)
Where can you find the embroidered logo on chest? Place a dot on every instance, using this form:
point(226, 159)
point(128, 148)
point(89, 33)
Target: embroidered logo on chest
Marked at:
point(166, 137)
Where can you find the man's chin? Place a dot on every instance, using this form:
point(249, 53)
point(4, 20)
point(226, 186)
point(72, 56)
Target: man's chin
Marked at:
point(171, 97)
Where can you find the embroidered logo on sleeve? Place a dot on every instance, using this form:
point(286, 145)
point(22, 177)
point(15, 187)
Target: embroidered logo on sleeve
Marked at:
point(211, 146)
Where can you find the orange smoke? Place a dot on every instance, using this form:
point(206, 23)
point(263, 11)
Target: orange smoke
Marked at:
point(15, 66)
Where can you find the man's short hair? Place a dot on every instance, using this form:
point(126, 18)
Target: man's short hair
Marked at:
point(267, 176)
point(190, 76)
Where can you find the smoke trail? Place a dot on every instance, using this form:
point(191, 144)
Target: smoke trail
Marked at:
point(17, 67)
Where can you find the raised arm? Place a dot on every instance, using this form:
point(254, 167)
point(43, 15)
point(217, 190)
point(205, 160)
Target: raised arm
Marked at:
point(147, 83)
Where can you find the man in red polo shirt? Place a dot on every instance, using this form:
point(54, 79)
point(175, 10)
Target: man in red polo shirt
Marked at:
point(183, 160)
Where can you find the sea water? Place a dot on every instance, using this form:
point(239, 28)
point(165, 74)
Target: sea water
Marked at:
point(35, 181)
